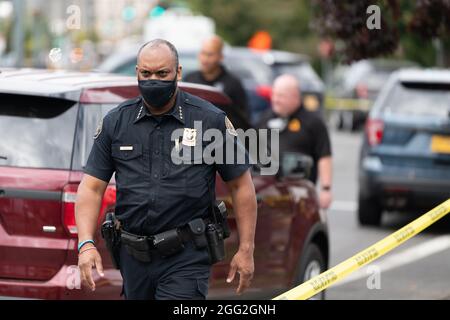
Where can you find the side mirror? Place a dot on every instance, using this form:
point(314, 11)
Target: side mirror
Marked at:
point(295, 165)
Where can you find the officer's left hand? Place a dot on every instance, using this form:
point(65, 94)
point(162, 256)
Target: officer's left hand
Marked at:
point(325, 199)
point(243, 263)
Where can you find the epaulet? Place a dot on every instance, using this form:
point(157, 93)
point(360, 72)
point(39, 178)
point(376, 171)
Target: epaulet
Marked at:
point(194, 101)
point(129, 102)
point(200, 103)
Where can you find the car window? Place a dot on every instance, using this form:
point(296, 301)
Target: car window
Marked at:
point(303, 72)
point(189, 62)
point(373, 75)
point(337, 79)
point(377, 79)
point(355, 73)
point(419, 99)
point(250, 71)
point(36, 132)
point(128, 68)
point(90, 117)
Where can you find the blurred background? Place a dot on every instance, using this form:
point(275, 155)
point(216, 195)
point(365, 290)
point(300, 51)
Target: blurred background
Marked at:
point(331, 50)
point(344, 53)
point(91, 29)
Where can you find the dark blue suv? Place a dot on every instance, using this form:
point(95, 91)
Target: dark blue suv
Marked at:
point(405, 155)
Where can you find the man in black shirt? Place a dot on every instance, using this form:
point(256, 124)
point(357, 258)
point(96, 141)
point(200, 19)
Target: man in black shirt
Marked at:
point(300, 131)
point(213, 73)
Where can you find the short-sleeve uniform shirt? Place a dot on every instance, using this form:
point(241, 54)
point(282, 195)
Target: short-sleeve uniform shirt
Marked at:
point(303, 132)
point(155, 193)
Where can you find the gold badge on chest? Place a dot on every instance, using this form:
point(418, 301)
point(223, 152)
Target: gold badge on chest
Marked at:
point(189, 137)
point(294, 125)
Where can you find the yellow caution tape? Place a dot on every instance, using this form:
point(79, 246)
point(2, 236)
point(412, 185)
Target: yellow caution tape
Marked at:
point(347, 104)
point(342, 270)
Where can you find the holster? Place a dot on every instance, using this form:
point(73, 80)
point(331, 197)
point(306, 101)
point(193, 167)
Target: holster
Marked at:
point(111, 234)
point(216, 243)
point(221, 216)
point(217, 229)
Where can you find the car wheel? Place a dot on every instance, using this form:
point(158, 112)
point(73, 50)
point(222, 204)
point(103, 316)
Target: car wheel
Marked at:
point(369, 212)
point(312, 264)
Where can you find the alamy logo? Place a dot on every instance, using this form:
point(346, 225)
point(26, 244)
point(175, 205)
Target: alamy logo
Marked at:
point(73, 280)
point(374, 279)
point(374, 20)
point(212, 146)
point(73, 22)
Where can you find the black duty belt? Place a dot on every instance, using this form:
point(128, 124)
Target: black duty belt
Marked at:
point(164, 244)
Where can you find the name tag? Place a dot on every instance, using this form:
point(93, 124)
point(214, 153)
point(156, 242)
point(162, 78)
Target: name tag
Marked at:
point(126, 148)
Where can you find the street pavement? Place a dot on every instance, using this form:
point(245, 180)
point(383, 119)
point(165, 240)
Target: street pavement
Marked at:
point(418, 269)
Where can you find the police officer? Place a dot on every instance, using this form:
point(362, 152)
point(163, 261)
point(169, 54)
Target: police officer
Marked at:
point(156, 194)
point(300, 131)
point(213, 73)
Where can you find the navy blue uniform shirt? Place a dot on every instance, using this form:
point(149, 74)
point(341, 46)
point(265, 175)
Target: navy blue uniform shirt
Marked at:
point(153, 193)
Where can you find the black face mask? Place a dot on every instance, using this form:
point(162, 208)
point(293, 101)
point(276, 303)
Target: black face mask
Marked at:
point(157, 93)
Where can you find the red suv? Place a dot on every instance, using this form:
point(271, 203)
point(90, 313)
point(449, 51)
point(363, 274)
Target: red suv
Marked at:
point(47, 121)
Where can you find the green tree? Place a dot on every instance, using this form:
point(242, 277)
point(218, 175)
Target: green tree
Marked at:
point(408, 28)
point(287, 21)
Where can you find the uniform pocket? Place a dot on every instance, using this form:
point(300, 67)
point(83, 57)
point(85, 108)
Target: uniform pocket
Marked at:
point(126, 152)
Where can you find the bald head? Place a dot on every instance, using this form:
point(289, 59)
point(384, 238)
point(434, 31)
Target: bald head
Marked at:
point(158, 60)
point(158, 44)
point(286, 95)
point(214, 43)
point(211, 55)
point(288, 82)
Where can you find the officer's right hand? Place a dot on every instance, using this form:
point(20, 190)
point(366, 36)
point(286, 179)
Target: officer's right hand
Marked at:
point(88, 260)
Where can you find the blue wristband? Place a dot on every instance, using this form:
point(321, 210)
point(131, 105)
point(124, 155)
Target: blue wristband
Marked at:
point(82, 243)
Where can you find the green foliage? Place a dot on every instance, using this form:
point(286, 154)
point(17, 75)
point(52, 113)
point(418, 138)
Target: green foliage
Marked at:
point(408, 27)
point(287, 21)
